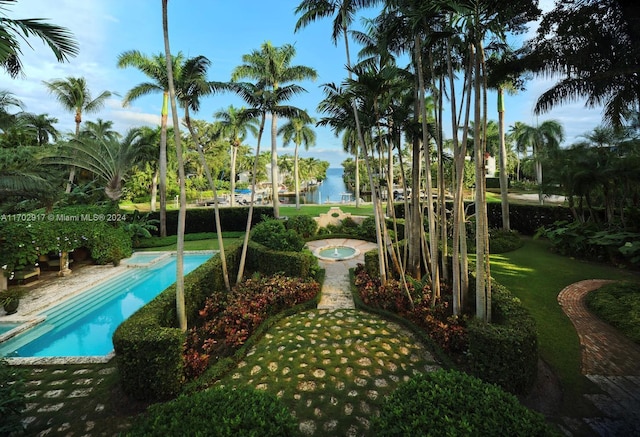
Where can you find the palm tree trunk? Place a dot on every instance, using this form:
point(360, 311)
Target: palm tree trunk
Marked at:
point(232, 181)
point(504, 180)
point(154, 191)
point(245, 243)
point(433, 233)
point(296, 175)
point(163, 164)
point(357, 179)
point(72, 170)
point(180, 304)
point(216, 207)
point(274, 166)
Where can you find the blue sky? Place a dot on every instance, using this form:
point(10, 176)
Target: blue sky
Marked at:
point(222, 30)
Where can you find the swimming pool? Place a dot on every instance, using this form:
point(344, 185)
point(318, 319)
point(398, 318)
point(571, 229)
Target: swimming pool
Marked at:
point(82, 326)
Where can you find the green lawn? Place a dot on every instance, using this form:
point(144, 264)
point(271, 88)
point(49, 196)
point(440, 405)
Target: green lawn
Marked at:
point(536, 276)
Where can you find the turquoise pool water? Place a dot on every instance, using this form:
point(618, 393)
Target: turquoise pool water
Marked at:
point(6, 327)
point(83, 325)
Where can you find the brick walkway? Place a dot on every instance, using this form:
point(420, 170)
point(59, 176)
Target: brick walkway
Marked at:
point(609, 360)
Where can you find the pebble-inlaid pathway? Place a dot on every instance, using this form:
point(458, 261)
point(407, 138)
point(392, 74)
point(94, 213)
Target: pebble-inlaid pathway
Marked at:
point(333, 368)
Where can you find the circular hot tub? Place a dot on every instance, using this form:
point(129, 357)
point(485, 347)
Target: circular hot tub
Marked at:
point(336, 253)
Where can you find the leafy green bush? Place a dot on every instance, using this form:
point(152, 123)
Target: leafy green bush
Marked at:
point(273, 234)
point(501, 241)
point(450, 403)
point(12, 398)
point(303, 225)
point(592, 241)
point(618, 304)
point(219, 412)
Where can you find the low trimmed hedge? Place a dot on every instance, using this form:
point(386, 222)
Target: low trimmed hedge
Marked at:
point(505, 352)
point(203, 219)
point(219, 412)
point(269, 262)
point(149, 346)
point(525, 219)
point(451, 403)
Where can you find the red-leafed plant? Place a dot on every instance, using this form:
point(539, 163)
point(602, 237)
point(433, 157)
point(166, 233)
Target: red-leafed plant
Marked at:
point(438, 321)
point(226, 325)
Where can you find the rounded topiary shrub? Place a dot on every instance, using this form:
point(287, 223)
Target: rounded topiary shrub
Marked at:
point(451, 403)
point(218, 412)
point(501, 241)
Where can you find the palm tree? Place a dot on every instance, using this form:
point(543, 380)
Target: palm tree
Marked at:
point(74, 95)
point(234, 125)
point(343, 12)
point(542, 139)
point(271, 67)
point(40, 126)
point(59, 39)
point(180, 304)
point(191, 85)
point(155, 69)
point(109, 159)
point(261, 102)
point(100, 129)
point(297, 130)
point(7, 101)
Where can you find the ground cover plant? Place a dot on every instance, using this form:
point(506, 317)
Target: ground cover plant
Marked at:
point(536, 275)
point(332, 368)
point(618, 304)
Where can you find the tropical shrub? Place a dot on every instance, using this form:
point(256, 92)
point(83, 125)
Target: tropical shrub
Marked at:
point(473, 408)
point(501, 241)
point(273, 234)
point(12, 399)
point(437, 320)
point(591, 241)
point(218, 412)
point(225, 325)
point(618, 304)
point(303, 225)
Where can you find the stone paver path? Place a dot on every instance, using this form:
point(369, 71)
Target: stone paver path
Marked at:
point(610, 360)
point(336, 290)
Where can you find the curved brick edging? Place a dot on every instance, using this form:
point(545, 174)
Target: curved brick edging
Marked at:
point(604, 350)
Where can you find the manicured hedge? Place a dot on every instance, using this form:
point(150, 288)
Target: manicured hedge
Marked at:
point(526, 219)
point(450, 403)
point(148, 345)
point(505, 352)
point(203, 219)
point(219, 412)
point(297, 264)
